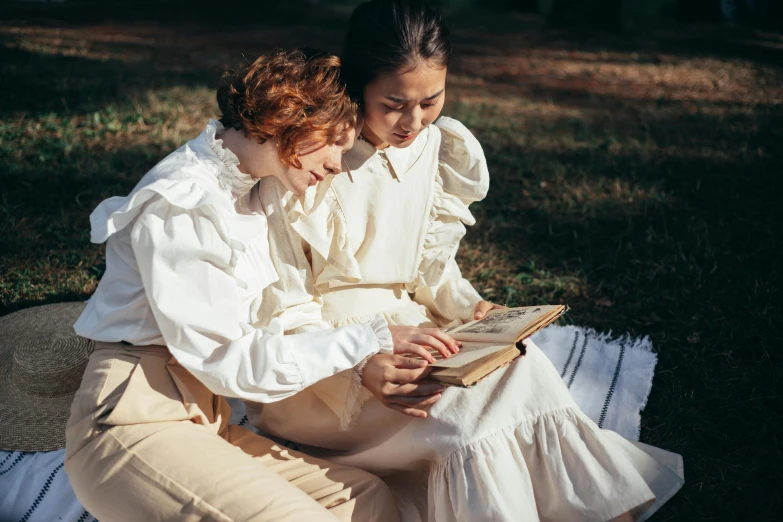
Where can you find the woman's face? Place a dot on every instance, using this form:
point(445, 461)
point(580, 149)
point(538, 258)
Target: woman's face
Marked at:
point(398, 107)
point(317, 162)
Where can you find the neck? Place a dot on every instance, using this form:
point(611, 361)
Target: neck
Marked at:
point(373, 139)
point(255, 159)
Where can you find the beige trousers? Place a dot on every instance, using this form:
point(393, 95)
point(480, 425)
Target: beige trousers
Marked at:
point(147, 441)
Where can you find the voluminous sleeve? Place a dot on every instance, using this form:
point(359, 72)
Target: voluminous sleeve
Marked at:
point(186, 260)
point(452, 299)
point(462, 178)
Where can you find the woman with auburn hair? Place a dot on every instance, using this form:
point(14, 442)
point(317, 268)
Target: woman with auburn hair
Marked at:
point(382, 239)
point(186, 255)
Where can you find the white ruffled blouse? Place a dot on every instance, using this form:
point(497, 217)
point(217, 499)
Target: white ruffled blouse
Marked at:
point(338, 235)
point(380, 238)
point(187, 254)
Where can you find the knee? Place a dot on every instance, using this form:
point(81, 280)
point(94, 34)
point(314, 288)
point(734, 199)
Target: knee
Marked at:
point(374, 499)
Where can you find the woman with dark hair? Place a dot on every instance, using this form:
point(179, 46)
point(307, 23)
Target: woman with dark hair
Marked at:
point(383, 239)
point(186, 255)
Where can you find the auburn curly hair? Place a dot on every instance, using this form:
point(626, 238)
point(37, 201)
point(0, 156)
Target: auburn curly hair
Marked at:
point(296, 97)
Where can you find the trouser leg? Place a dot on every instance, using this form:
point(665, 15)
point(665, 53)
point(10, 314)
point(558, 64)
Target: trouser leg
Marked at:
point(129, 457)
point(348, 493)
point(182, 471)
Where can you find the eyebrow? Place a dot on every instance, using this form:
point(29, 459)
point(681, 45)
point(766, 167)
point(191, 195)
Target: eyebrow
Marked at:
point(403, 100)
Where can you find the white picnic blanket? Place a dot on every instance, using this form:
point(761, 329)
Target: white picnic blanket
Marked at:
point(610, 379)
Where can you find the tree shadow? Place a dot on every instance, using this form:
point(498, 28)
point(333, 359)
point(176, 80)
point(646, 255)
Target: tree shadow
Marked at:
point(682, 41)
point(478, 29)
point(37, 83)
point(666, 208)
point(175, 14)
point(686, 252)
point(46, 251)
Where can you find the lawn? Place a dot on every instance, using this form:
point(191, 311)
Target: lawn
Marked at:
point(637, 178)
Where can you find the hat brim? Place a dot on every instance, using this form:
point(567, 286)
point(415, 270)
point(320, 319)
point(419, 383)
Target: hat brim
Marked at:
point(32, 422)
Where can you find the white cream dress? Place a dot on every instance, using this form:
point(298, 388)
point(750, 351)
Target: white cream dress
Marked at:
point(382, 238)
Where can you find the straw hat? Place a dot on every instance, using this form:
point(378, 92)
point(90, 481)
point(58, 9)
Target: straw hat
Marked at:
point(41, 365)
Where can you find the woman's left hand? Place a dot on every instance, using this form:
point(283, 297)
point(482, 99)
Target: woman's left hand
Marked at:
point(483, 307)
point(415, 341)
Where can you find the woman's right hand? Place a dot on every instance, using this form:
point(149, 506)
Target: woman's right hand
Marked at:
point(396, 381)
point(415, 341)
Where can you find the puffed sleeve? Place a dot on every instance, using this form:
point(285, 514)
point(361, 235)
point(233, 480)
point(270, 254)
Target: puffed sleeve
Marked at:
point(186, 258)
point(462, 179)
point(452, 299)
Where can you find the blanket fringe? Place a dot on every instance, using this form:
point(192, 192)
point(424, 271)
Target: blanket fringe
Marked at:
point(639, 354)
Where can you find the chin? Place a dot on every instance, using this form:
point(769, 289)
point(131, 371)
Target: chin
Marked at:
point(297, 188)
point(397, 143)
point(404, 144)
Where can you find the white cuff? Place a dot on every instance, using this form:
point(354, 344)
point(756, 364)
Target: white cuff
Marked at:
point(382, 334)
point(322, 354)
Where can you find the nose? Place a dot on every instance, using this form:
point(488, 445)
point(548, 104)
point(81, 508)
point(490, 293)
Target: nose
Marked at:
point(412, 121)
point(334, 161)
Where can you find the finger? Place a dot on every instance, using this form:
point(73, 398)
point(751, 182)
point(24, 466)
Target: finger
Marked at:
point(408, 363)
point(388, 389)
point(417, 390)
point(413, 402)
point(413, 412)
point(416, 349)
point(432, 342)
point(445, 338)
point(401, 377)
point(482, 308)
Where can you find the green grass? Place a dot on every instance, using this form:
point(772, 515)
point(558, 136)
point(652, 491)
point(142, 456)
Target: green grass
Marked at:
point(636, 179)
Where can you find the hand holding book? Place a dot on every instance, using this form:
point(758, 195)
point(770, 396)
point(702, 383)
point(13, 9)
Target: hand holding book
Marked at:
point(403, 381)
point(399, 382)
point(423, 342)
point(491, 342)
point(484, 307)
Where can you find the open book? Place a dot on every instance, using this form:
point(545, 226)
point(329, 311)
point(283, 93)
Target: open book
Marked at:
point(491, 343)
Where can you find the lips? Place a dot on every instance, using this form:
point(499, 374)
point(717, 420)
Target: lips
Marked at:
point(404, 137)
point(317, 176)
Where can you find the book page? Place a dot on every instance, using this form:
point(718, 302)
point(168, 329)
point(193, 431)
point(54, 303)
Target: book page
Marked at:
point(501, 326)
point(469, 353)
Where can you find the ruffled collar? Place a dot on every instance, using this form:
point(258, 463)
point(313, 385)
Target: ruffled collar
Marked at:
point(401, 160)
point(231, 179)
point(306, 204)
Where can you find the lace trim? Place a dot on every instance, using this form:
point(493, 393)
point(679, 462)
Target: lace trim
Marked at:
point(382, 334)
point(231, 179)
point(355, 397)
point(461, 179)
point(445, 229)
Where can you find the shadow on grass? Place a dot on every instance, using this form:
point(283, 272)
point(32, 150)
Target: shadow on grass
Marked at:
point(47, 253)
point(479, 29)
point(37, 84)
point(655, 216)
point(720, 42)
point(695, 266)
point(180, 13)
